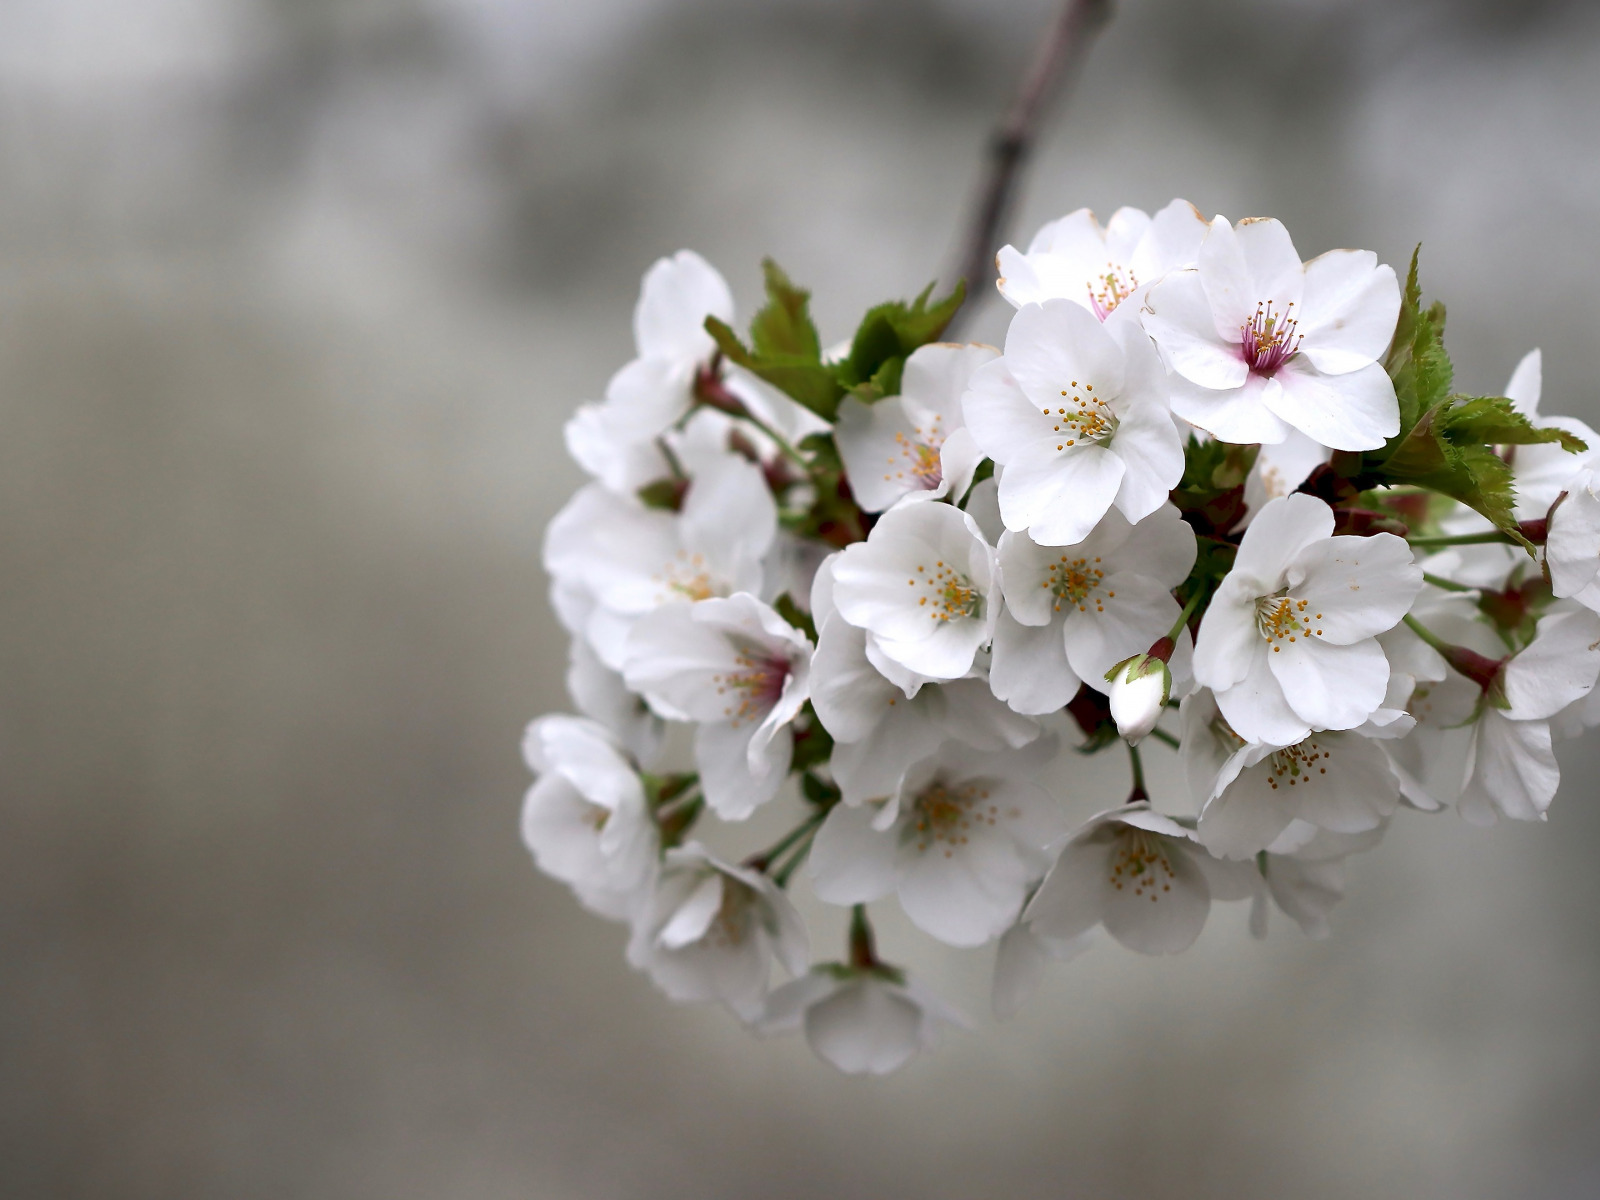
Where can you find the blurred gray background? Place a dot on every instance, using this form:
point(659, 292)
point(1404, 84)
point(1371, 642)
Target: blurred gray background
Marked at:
point(294, 297)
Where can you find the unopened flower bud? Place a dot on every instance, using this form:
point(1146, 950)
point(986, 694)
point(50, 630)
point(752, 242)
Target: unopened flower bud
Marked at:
point(1139, 689)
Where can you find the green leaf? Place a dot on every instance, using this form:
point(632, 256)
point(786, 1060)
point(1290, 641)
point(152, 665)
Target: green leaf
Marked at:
point(1211, 493)
point(1417, 362)
point(892, 331)
point(665, 494)
point(783, 328)
point(807, 382)
point(1451, 449)
point(791, 612)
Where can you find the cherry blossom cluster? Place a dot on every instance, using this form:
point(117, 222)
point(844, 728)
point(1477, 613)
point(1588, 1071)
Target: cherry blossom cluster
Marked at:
point(1207, 496)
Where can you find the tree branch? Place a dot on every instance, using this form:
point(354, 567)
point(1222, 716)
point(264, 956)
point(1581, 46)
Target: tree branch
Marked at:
point(1057, 62)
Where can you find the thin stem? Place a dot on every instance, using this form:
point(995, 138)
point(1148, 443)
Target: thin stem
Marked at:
point(1447, 585)
point(771, 855)
point(778, 440)
point(1183, 617)
point(1427, 635)
point(1058, 59)
point(801, 853)
point(1162, 736)
point(1460, 539)
point(1138, 792)
point(863, 954)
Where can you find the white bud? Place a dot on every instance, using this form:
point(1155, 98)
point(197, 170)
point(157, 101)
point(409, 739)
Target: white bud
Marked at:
point(1139, 689)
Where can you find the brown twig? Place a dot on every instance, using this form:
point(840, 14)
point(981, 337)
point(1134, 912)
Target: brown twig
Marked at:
point(1056, 62)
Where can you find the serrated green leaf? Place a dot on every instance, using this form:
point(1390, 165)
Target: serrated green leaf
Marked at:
point(806, 382)
point(783, 327)
point(1417, 362)
point(1495, 421)
point(893, 330)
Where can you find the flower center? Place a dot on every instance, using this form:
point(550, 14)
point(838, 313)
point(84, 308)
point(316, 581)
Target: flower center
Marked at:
point(1140, 862)
point(1074, 581)
point(1111, 289)
point(1224, 736)
point(754, 686)
point(947, 592)
point(1268, 340)
point(734, 917)
point(1296, 764)
point(1283, 618)
point(685, 578)
point(943, 814)
point(1085, 418)
point(920, 453)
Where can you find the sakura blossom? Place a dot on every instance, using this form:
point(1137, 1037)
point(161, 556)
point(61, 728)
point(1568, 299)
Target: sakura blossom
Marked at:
point(833, 616)
point(1140, 875)
point(1076, 415)
point(915, 444)
point(741, 673)
point(712, 931)
point(923, 587)
point(584, 819)
point(1288, 643)
point(862, 1020)
point(1106, 270)
point(1260, 343)
point(960, 840)
point(1073, 612)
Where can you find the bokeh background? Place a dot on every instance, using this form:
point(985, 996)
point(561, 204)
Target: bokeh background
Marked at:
point(294, 297)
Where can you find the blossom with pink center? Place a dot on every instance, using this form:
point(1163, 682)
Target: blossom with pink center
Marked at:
point(1260, 343)
point(742, 673)
point(914, 445)
point(1106, 270)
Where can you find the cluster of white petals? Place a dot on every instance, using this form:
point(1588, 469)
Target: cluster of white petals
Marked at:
point(895, 590)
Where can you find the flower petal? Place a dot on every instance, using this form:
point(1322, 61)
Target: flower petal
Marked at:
point(1353, 411)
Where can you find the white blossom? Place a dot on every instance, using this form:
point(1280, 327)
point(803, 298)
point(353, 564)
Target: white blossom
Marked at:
point(742, 673)
point(961, 840)
point(923, 586)
point(613, 440)
point(1543, 470)
point(1335, 780)
point(1261, 344)
point(1107, 271)
point(629, 560)
point(1072, 612)
point(1020, 960)
point(1076, 415)
point(602, 694)
point(585, 818)
point(1572, 545)
point(915, 444)
point(1140, 687)
point(1288, 642)
point(1142, 876)
point(864, 1021)
point(1510, 767)
point(711, 931)
point(881, 726)
point(1306, 879)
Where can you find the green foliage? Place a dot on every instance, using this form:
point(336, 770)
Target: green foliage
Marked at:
point(791, 612)
point(785, 350)
point(665, 494)
point(819, 791)
point(783, 326)
point(1211, 493)
point(1447, 442)
point(1417, 362)
point(887, 334)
